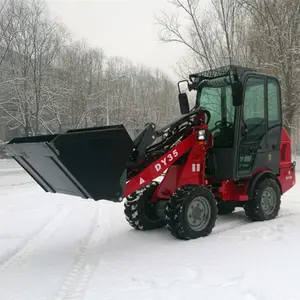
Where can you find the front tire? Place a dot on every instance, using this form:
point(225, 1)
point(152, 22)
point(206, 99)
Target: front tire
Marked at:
point(140, 212)
point(265, 202)
point(191, 212)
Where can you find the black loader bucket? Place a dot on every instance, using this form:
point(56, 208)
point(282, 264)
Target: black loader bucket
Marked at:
point(88, 163)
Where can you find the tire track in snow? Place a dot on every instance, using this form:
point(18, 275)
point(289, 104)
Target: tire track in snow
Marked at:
point(226, 226)
point(76, 281)
point(35, 241)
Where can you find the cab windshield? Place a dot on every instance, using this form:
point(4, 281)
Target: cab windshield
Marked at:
point(217, 99)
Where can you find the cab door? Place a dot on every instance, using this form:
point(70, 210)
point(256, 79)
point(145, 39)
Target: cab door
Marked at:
point(260, 126)
point(253, 148)
point(274, 124)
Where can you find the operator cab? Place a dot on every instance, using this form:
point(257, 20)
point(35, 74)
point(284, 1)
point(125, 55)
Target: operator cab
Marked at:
point(245, 109)
point(218, 101)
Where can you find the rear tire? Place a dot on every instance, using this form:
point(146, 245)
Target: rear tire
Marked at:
point(140, 212)
point(191, 212)
point(266, 201)
point(225, 208)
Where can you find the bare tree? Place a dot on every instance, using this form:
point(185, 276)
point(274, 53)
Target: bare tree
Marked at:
point(32, 52)
point(10, 17)
point(259, 33)
point(274, 40)
point(209, 36)
point(51, 83)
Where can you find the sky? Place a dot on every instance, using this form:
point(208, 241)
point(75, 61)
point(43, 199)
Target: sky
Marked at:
point(123, 28)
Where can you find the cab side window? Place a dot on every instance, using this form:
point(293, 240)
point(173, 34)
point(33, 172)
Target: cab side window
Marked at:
point(254, 109)
point(274, 118)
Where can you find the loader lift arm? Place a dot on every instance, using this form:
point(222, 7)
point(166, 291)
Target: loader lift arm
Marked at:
point(89, 163)
point(159, 166)
point(143, 156)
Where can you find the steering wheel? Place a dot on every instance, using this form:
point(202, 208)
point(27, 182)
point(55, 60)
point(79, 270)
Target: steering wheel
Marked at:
point(221, 125)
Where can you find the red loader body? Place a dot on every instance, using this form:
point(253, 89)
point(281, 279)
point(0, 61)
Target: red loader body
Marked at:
point(229, 151)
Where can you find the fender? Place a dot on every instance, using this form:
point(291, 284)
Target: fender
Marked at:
point(259, 176)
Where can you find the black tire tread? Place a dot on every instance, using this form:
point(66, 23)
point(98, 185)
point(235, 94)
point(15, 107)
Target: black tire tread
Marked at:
point(175, 207)
point(134, 209)
point(252, 208)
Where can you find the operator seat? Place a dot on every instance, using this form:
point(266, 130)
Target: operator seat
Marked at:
point(219, 159)
point(224, 137)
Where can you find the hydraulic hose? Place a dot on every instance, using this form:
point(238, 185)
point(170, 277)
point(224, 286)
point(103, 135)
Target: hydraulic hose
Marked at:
point(182, 120)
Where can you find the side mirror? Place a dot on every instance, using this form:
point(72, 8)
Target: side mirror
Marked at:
point(237, 94)
point(184, 103)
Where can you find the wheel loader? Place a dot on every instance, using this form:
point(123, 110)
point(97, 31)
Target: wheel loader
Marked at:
point(229, 150)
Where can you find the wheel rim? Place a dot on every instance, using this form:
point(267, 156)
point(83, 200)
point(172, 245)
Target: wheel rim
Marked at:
point(268, 200)
point(198, 213)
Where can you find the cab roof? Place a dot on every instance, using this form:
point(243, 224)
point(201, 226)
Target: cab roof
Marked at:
point(220, 72)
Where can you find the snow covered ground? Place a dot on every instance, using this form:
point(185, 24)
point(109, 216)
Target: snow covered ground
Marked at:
point(58, 247)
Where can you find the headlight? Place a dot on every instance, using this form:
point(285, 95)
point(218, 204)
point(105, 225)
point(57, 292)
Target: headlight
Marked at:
point(201, 135)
